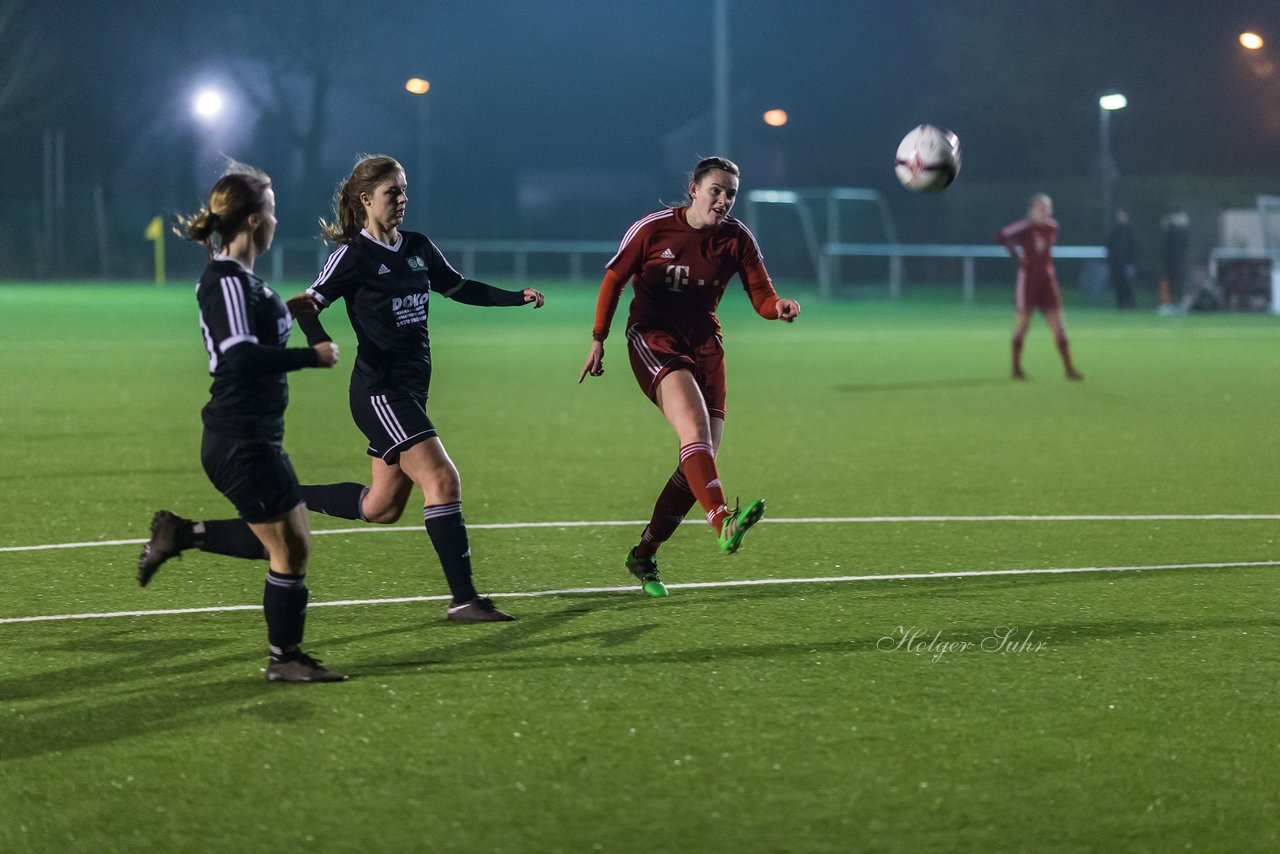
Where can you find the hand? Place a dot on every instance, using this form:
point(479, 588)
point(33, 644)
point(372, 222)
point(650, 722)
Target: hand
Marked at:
point(535, 297)
point(788, 310)
point(303, 305)
point(595, 361)
point(328, 353)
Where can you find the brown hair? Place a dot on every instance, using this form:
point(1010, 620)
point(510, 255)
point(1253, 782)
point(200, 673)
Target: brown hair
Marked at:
point(240, 192)
point(705, 165)
point(348, 212)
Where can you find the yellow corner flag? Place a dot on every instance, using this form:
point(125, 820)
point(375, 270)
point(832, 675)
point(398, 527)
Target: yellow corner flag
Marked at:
point(155, 232)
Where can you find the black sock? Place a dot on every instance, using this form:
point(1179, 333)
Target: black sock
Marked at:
point(284, 603)
point(343, 500)
point(230, 537)
point(448, 534)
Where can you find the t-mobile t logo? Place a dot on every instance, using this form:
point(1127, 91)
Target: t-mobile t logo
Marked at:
point(677, 276)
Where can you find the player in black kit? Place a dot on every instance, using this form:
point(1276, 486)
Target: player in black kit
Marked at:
point(386, 277)
point(246, 327)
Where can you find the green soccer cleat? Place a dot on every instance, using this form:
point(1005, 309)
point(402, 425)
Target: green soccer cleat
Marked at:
point(737, 523)
point(646, 570)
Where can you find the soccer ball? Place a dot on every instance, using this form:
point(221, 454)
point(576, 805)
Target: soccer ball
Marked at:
point(928, 159)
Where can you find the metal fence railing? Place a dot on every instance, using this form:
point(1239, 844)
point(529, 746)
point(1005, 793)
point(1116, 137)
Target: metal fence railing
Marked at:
point(516, 256)
point(896, 253)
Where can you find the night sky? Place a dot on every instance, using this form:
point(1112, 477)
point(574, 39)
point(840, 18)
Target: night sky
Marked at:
point(608, 101)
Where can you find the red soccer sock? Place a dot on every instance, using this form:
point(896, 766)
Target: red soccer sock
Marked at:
point(673, 504)
point(1017, 355)
point(699, 467)
point(1064, 350)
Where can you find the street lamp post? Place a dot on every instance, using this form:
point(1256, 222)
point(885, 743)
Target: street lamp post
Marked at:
point(419, 87)
point(1107, 104)
point(720, 102)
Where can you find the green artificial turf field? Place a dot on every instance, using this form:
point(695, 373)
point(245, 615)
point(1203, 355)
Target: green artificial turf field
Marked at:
point(893, 662)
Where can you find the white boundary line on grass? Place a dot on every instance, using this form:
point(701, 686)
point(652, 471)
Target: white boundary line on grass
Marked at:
point(815, 520)
point(833, 579)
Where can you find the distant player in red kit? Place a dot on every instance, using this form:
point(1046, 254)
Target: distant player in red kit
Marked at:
point(679, 261)
point(1030, 242)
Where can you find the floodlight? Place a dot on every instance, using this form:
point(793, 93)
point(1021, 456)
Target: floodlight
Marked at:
point(1113, 101)
point(208, 103)
point(775, 118)
point(1252, 41)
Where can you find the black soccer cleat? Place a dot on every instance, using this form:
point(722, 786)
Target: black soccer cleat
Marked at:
point(165, 531)
point(479, 610)
point(297, 666)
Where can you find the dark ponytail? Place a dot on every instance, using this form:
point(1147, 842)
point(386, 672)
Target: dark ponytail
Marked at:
point(240, 192)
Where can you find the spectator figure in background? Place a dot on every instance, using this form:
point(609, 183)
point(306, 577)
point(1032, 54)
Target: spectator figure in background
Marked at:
point(1030, 242)
point(1122, 259)
point(1175, 243)
point(1202, 292)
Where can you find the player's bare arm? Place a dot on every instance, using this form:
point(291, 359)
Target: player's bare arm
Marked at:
point(595, 361)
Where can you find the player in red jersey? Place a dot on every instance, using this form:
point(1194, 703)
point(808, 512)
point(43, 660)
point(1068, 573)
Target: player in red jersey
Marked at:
point(679, 261)
point(1030, 242)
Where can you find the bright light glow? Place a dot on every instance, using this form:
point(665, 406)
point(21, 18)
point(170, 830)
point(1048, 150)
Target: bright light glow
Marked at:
point(1252, 41)
point(775, 118)
point(1113, 101)
point(208, 103)
point(786, 197)
point(417, 85)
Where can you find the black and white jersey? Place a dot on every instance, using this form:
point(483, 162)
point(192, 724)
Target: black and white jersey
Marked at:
point(249, 393)
point(387, 290)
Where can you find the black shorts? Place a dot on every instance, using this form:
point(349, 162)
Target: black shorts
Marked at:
point(254, 474)
point(390, 422)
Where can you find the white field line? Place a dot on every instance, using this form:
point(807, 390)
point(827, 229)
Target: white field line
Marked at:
point(758, 582)
point(1186, 328)
point(815, 520)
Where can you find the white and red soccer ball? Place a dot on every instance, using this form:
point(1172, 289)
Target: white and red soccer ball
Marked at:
point(928, 159)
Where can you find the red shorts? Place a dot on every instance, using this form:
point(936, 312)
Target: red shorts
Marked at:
point(1032, 292)
point(656, 353)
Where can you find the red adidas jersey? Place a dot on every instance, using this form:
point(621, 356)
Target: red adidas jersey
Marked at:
point(1036, 240)
point(679, 274)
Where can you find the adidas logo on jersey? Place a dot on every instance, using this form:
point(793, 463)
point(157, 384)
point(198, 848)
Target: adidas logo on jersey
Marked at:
point(667, 255)
point(382, 269)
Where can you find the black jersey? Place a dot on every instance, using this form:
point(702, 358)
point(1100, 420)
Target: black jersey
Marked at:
point(248, 395)
point(387, 290)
